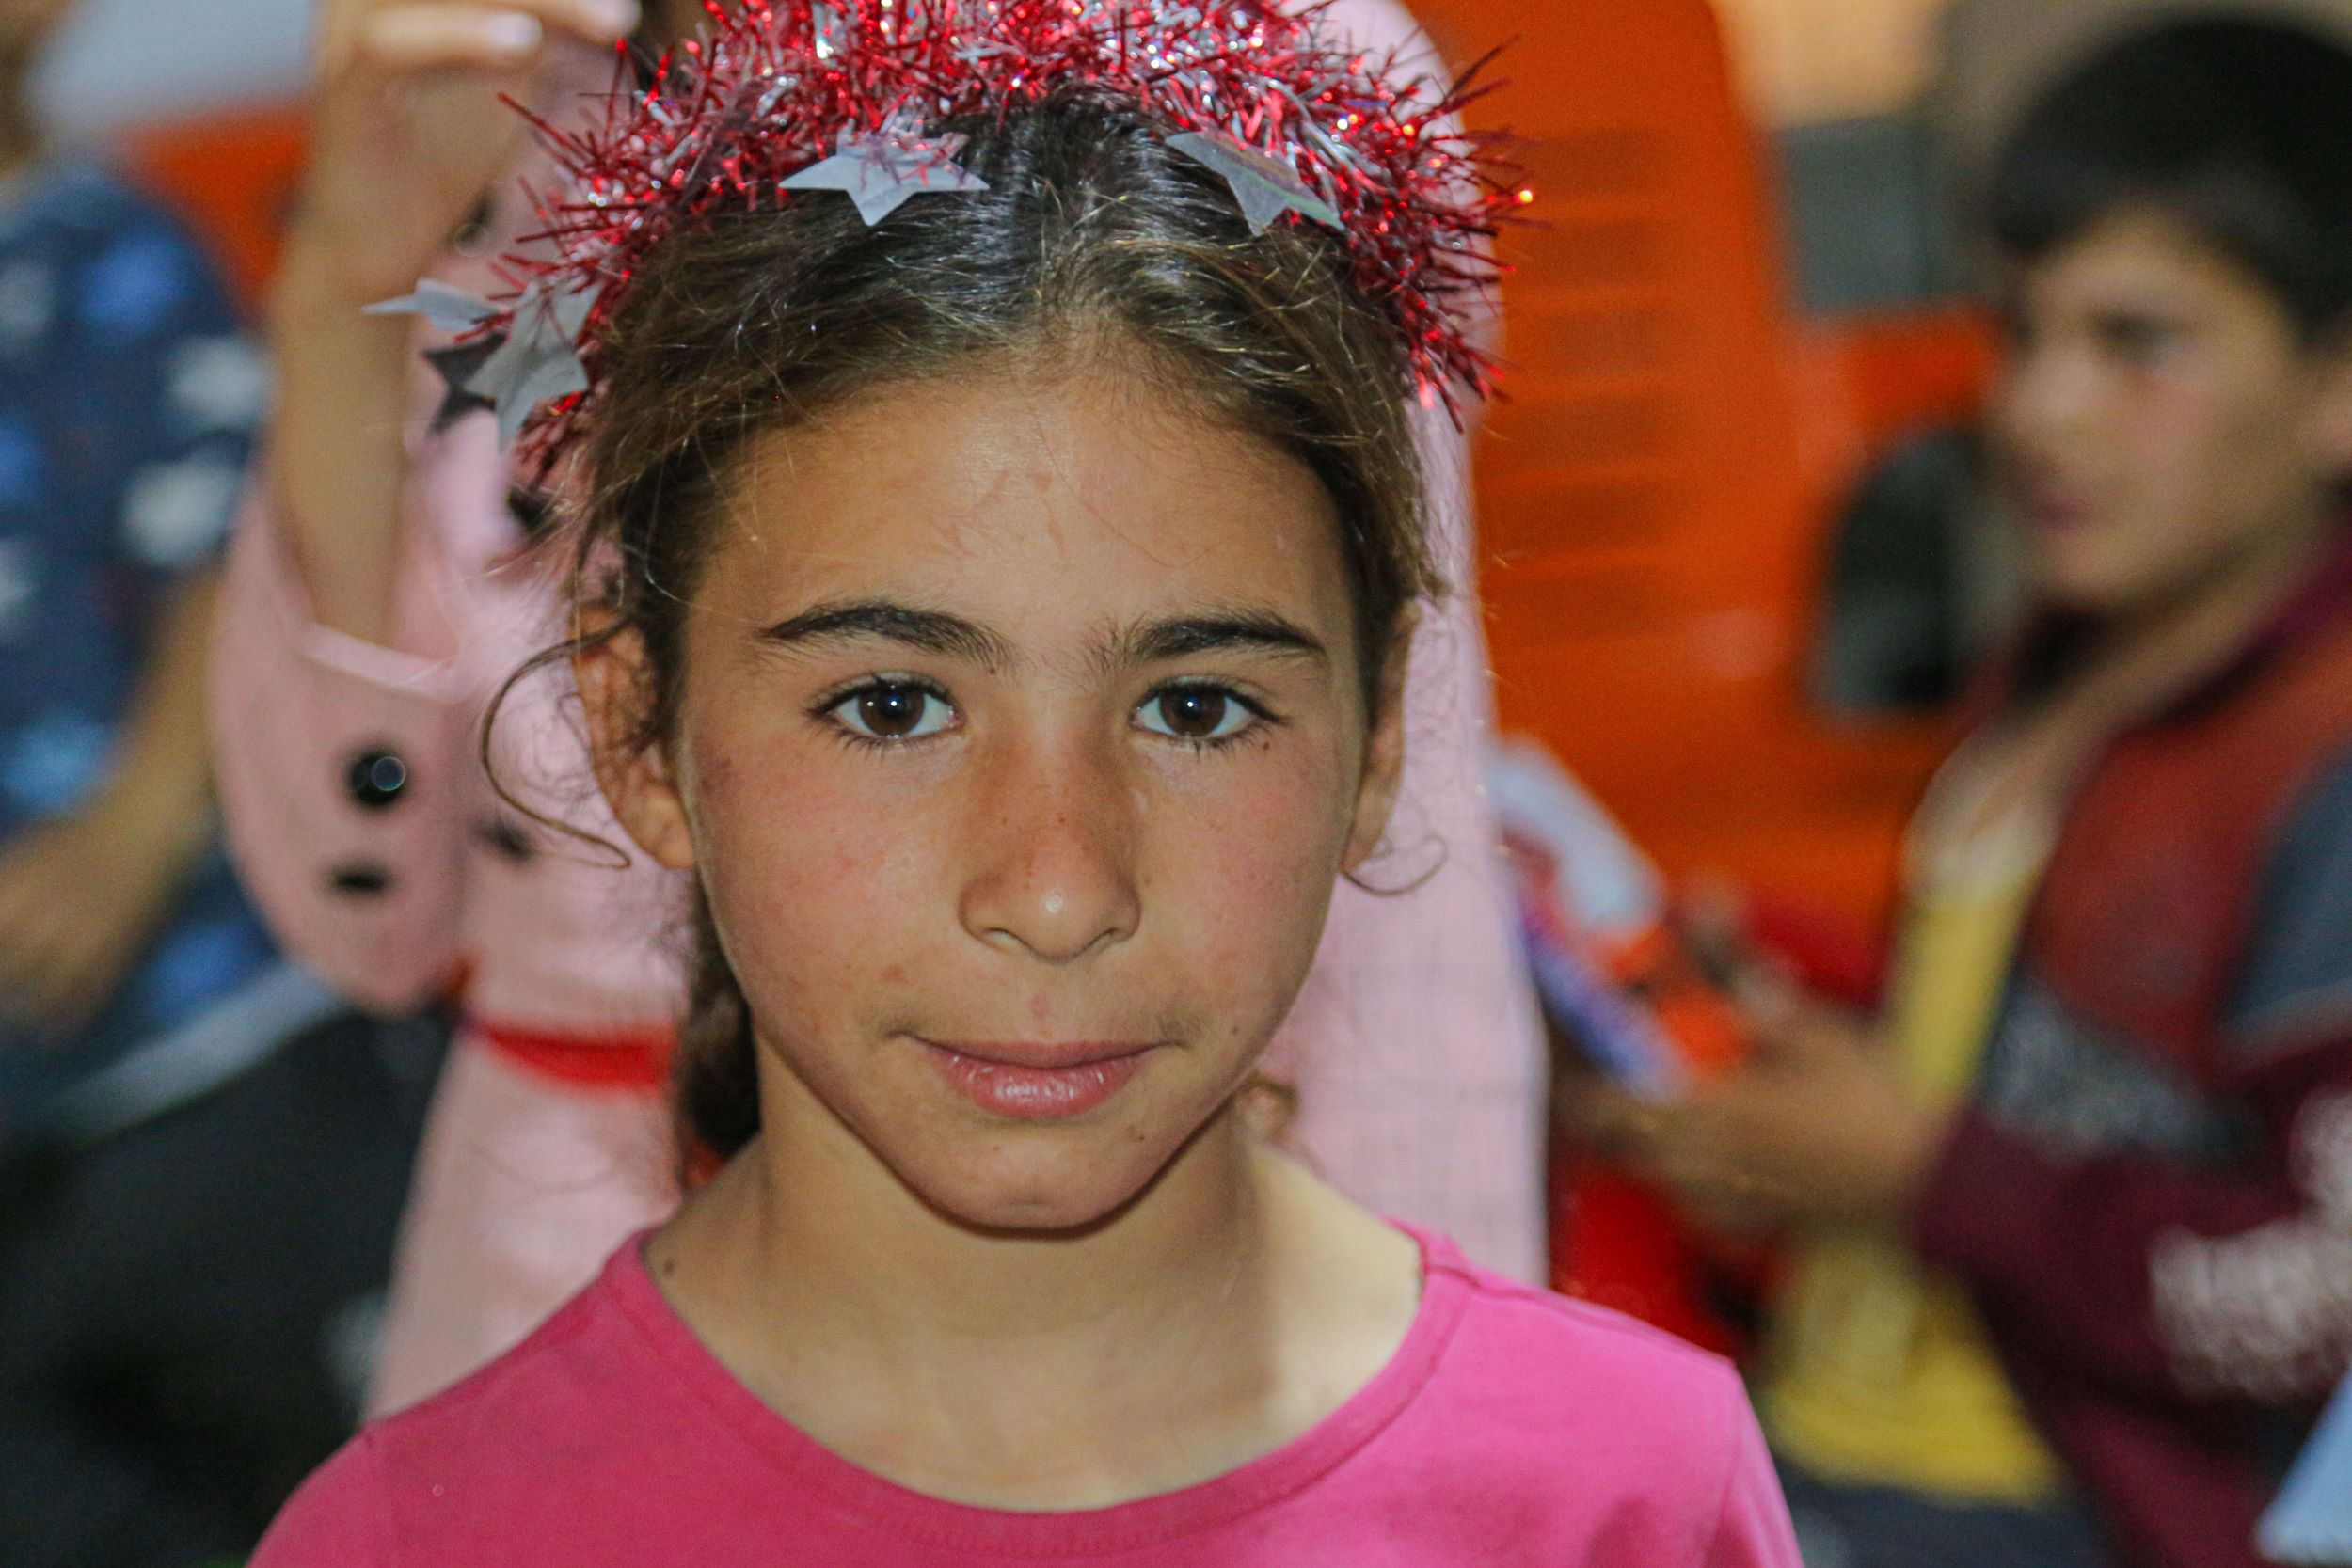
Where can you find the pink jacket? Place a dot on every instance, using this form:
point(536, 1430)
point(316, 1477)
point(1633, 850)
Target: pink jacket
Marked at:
point(1414, 1046)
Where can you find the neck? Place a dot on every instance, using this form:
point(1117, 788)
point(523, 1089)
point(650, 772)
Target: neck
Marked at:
point(890, 1269)
point(994, 1368)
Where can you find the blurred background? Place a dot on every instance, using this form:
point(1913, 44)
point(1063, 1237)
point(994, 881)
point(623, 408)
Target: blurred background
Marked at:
point(1736, 555)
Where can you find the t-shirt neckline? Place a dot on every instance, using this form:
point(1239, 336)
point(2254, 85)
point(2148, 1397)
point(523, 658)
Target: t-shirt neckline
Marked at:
point(1163, 1516)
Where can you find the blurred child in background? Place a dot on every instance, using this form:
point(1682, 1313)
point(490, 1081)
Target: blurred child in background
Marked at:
point(2075, 1215)
point(174, 1229)
point(127, 405)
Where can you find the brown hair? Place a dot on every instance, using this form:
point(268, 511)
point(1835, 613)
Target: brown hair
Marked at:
point(1091, 235)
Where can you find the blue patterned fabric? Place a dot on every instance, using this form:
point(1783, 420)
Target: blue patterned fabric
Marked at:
point(128, 402)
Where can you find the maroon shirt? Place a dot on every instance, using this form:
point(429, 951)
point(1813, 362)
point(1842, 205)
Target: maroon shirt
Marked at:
point(2150, 1192)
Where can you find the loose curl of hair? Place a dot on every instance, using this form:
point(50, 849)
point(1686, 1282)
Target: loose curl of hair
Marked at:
point(1092, 237)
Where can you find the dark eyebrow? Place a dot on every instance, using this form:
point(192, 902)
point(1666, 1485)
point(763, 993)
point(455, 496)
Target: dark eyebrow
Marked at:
point(1238, 631)
point(932, 631)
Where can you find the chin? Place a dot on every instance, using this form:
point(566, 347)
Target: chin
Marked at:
point(1012, 1185)
point(2082, 582)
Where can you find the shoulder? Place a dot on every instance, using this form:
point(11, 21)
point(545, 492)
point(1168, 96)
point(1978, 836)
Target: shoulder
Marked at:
point(1615, 1433)
point(2295, 987)
point(1568, 1377)
point(336, 1518)
point(1545, 1343)
point(528, 1437)
point(567, 1375)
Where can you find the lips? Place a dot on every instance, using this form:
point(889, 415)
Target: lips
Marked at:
point(1037, 1081)
point(2057, 513)
point(2051, 503)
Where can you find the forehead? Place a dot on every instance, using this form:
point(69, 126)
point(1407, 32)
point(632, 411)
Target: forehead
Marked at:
point(2145, 255)
point(1044, 499)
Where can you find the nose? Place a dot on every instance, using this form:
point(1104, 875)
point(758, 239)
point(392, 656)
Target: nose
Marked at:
point(2046, 394)
point(1052, 873)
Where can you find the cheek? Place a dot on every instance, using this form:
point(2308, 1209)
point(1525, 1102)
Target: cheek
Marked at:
point(838, 878)
point(1242, 867)
point(803, 877)
point(2210, 462)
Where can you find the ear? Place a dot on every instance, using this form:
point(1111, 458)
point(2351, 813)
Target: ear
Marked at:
point(2328, 429)
point(1384, 754)
point(639, 780)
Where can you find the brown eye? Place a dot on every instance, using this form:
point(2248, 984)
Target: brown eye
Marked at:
point(894, 710)
point(1194, 713)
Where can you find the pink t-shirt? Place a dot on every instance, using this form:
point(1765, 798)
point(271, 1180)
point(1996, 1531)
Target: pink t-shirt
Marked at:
point(1513, 1427)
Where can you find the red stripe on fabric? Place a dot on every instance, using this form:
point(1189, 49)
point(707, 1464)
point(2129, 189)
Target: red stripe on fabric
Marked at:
point(640, 1062)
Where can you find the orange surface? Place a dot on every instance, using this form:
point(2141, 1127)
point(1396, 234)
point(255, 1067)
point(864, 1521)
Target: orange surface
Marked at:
point(1656, 501)
point(1654, 495)
point(232, 176)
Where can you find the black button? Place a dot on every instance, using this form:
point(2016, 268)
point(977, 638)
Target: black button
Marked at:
point(361, 881)
point(377, 779)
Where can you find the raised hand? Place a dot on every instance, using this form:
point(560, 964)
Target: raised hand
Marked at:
point(408, 130)
point(409, 135)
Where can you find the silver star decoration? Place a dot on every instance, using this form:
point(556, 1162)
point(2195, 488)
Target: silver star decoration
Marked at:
point(539, 360)
point(880, 170)
point(536, 360)
point(455, 364)
point(1266, 188)
point(450, 309)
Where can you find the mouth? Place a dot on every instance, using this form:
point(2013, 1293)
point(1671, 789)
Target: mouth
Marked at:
point(2053, 508)
point(1038, 1080)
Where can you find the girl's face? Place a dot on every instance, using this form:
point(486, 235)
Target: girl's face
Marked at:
point(1020, 742)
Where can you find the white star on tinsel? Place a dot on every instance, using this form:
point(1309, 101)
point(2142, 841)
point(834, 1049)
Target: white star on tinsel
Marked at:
point(540, 359)
point(450, 309)
point(880, 170)
point(1266, 188)
point(536, 360)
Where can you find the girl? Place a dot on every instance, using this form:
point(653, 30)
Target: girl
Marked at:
point(374, 607)
point(1004, 542)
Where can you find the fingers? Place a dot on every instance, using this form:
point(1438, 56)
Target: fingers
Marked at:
point(407, 37)
point(63, 973)
point(1607, 1120)
point(1794, 1030)
point(69, 986)
point(46, 979)
point(1714, 921)
point(69, 929)
point(1687, 1149)
point(1779, 1022)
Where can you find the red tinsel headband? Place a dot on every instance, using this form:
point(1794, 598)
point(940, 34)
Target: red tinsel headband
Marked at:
point(784, 97)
